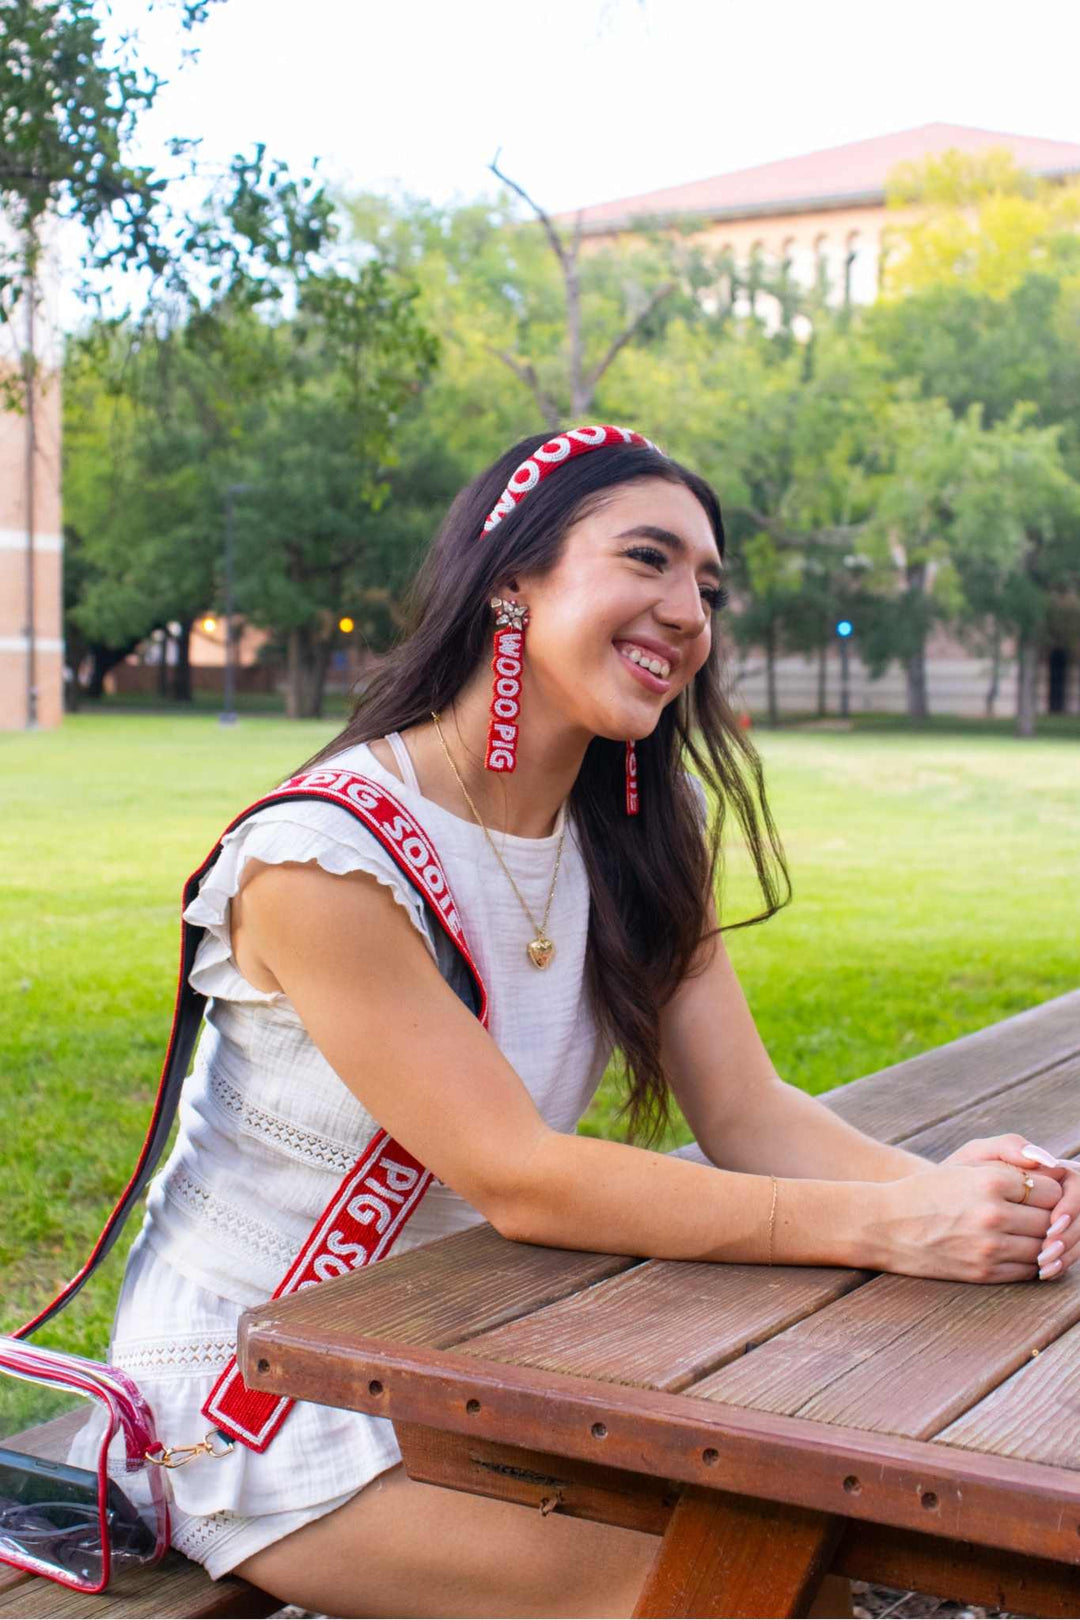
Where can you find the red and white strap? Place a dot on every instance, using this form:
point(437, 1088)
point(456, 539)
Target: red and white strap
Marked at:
point(381, 1192)
point(384, 1187)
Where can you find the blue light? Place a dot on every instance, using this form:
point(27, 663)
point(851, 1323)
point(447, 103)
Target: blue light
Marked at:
point(844, 628)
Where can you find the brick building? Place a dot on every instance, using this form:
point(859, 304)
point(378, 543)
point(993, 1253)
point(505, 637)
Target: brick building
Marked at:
point(31, 544)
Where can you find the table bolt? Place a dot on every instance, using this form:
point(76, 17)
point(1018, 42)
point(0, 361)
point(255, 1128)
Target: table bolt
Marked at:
point(472, 1407)
point(262, 1365)
point(375, 1387)
point(710, 1456)
point(852, 1485)
point(929, 1499)
point(599, 1431)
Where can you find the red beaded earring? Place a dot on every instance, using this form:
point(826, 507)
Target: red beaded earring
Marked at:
point(632, 795)
point(510, 620)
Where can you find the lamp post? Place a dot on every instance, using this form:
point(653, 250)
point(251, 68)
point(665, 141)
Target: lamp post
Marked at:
point(843, 630)
point(856, 567)
point(228, 711)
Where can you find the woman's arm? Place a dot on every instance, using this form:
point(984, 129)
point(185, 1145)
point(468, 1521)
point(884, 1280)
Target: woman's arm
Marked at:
point(373, 1001)
point(743, 1115)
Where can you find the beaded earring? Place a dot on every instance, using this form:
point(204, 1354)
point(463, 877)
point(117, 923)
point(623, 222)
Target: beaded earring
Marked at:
point(506, 663)
point(633, 797)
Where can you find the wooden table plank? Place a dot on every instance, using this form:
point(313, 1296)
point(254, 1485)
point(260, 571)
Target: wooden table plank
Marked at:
point(445, 1291)
point(471, 1283)
point(903, 1355)
point(917, 1093)
point(666, 1323)
point(1035, 1413)
point(1023, 1506)
point(1045, 1107)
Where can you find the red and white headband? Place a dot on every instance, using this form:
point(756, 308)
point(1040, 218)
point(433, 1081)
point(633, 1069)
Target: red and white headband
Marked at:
point(575, 442)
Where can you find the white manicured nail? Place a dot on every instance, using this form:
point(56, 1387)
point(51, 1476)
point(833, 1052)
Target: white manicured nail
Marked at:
point(1048, 1271)
point(1059, 1225)
point(1040, 1155)
point(1050, 1251)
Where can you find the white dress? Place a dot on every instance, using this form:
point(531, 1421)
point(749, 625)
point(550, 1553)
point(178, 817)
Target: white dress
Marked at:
point(267, 1130)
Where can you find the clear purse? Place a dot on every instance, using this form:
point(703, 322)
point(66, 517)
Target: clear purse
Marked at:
point(82, 1494)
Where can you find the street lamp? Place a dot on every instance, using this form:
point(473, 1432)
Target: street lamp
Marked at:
point(228, 712)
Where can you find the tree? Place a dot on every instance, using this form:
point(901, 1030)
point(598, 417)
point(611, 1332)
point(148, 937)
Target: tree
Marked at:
point(534, 326)
point(152, 421)
point(1016, 538)
point(69, 111)
point(983, 225)
point(582, 376)
point(984, 312)
point(317, 453)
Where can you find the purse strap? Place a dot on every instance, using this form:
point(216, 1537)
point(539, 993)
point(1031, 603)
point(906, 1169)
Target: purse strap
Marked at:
point(399, 833)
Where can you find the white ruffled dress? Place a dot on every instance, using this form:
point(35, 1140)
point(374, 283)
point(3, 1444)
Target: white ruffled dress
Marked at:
point(267, 1130)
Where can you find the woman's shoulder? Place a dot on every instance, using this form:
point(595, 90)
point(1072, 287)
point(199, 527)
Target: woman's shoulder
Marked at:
point(295, 831)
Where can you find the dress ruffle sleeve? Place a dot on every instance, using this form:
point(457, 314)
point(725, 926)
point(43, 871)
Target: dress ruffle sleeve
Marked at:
point(298, 832)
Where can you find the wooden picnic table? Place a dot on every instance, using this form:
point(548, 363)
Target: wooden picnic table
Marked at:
point(769, 1425)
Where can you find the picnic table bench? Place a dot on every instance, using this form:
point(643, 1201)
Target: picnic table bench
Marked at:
point(768, 1425)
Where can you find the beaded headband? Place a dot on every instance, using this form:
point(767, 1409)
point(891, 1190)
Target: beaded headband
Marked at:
point(545, 459)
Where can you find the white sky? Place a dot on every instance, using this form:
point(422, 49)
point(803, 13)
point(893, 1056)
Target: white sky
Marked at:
point(594, 99)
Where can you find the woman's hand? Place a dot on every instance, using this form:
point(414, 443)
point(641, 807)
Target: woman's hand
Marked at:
point(964, 1222)
point(1062, 1246)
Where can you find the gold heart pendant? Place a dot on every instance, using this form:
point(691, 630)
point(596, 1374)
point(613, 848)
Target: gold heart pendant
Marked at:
point(541, 951)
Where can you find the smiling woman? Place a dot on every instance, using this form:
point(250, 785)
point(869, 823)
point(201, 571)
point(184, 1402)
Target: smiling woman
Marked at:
point(409, 1016)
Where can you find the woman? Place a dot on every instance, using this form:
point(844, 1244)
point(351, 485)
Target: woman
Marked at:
point(551, 781)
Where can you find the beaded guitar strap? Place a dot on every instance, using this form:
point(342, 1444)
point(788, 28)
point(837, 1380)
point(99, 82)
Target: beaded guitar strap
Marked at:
point(378, 1195)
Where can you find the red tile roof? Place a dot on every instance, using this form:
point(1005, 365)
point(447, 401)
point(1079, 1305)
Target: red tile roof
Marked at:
point(832, 177)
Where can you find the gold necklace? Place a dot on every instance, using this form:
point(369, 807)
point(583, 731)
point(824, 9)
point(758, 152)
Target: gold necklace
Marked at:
point(540, 950)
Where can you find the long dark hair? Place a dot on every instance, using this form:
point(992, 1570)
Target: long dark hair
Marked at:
point(650, 874)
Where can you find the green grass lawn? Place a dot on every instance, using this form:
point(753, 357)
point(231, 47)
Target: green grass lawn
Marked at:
point(935, 880)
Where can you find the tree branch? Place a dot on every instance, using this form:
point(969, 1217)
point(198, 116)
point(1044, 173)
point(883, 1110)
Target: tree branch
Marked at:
point(842, 534)
point(525, 372)
point(624, 338)
point(551, 233)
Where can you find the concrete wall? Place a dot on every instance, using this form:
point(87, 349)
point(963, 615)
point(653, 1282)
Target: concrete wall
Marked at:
point(955, 685)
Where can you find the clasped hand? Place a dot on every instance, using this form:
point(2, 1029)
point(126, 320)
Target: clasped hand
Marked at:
point(1056, 1191)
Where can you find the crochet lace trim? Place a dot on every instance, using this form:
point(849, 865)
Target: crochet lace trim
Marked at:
point(192, 1536)
point(186, 1355)
point(253, 1236)
point(299, 1143)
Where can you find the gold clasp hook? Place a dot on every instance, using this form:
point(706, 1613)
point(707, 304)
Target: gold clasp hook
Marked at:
point(177, 1456)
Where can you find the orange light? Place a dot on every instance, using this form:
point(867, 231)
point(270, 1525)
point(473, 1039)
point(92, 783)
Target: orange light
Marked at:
point(346, 626)
point(209, 625)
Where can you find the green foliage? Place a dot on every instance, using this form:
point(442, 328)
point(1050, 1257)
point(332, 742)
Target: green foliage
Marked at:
point(70, 108)
point(905, 466)
point(981, 223)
